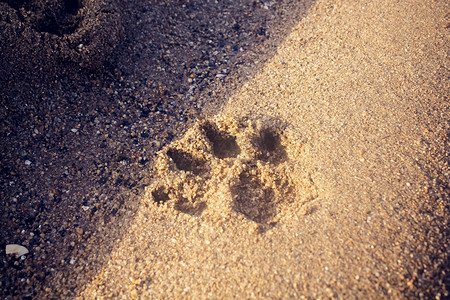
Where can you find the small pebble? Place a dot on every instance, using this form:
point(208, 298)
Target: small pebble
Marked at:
point(18, 250)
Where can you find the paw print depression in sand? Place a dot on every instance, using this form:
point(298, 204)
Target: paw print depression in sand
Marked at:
point(240, 169)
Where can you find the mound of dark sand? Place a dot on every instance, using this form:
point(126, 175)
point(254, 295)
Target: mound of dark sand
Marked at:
point(47, 34)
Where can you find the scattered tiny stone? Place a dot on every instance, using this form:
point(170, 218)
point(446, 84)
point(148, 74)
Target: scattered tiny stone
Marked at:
point(27, 162)
point(74, 130)
point(85, 208)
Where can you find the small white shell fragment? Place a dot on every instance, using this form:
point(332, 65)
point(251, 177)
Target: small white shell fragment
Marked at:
point(18, 250)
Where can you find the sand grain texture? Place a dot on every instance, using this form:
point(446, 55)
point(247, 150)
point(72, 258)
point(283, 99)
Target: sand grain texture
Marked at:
point(325, 175)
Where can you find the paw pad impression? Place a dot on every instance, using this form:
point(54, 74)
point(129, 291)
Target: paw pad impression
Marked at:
point(240, 169)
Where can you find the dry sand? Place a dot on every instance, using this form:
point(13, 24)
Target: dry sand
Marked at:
point(325, 175)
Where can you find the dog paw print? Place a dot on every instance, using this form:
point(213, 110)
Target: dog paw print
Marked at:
point(241, 169)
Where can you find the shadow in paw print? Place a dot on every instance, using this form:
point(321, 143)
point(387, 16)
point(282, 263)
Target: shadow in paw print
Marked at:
point(224, 145)
point(194, 209)
point(72, 6)
point(268, 142)
point(253, 200)
point(160, 196)
point(186, 162)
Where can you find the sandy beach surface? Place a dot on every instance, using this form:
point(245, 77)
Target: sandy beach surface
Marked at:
point(312, 162)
